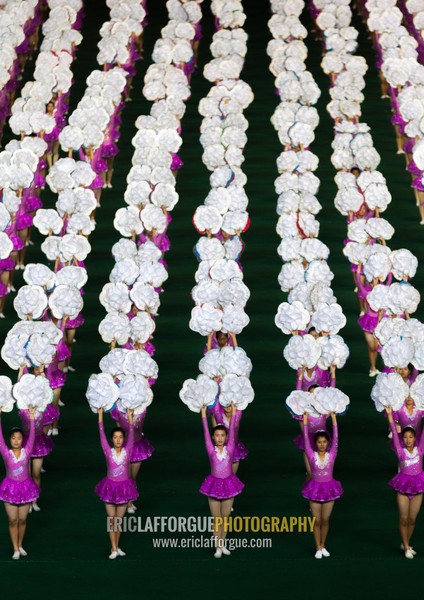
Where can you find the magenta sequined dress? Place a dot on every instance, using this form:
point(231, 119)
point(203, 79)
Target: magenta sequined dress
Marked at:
point(314, 424)
point(117, 487)
point(321, 487)
point(43, 444)
point(405, 419)
point(142, 448)
point(18, 487)
point(218, 412)
point(410, 479)
point(221, 483)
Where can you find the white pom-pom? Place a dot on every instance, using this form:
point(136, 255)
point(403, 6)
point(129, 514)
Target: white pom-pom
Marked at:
point(236, 390)
point(302, 351)
point(328, 318)
point(102, 391)
point(139, 362)
point(334, 351)
point(6, 399)
point(292, 317)
point(142, 327)
point(199, 392)
point(328, 399)
point(115, 327)
point(32, 391)
point(113, 362)
point(417, 391)
point(299, 403)
point(389, 390)
point(65, 301)
point(398, 352)
point(30, 302)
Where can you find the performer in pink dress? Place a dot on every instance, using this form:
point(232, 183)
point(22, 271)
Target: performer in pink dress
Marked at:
point(117, 488)
point(321, 489)
point(18, 490)
point(221, 485)
point(223, 416)
point(408, 482)
point(142, 448)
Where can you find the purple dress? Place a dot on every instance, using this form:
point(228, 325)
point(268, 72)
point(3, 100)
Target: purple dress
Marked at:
point(321, 487)
point(314, 424)
point(410, 479)
point(218, 412)
point(405, 419)
point(221, 483)
point(142, 448)
point(320, 377)
point(117, 487)
point(43, 444)
point(18, 487)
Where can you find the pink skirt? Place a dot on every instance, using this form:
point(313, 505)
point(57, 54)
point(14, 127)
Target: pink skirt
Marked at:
point(240, 452)
point(322, 491)
point(43, 445)
point(116, 492)
point(51, 414)
point(221, 489)
point(141, 450)
point(19, 492)
point(410, 485)
point(368, 323)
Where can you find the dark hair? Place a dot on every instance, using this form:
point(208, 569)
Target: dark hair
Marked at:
point(321, 433)
point(355, 169)
point(117, 430)
point(312, 387)
point(219, 428)
point(16, 430)
point(219, 333)
point(408, 429)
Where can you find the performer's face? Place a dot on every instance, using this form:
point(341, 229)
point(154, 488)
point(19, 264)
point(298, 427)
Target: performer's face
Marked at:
point(118, 439)
point(408, 439)
point(321, 444)
point(219, 437)
point(16, 440)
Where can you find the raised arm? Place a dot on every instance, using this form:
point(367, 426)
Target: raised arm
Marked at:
point(234, 425)
point(335, 441)
point(308, 448)
point(3, 447)
point(333, 376)
point(299, 379)
point(130, 441)
point(396, 442)
point(103, 441)
point(206, 432)
point(29, 445)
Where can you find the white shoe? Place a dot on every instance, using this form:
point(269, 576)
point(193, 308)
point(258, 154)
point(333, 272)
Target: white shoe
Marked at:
point(49, 433)
point(71, 369)
point(22, 552)
point(35, 507)
point(113, 555)
point(131, 510)
point(1, 316)
point(373, 372)
point(43, 470)
point(410, 547)
point(409, 553)
point(61, 403)
point(422, 222)
point(121, 552)
point(16, 555)
point(12, 289)
point(218, 553)
point(325, 552)
point(55, 431)
point(318, 554)
point(225, 551)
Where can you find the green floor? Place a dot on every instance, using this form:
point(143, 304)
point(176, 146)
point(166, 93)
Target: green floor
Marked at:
point(67, 541)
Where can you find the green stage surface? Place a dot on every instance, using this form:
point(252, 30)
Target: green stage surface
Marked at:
point(67, 541)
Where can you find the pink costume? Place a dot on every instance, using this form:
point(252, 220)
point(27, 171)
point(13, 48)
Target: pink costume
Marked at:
point(314, 424)
point(321, 487)
point(142, 448)
point(320, 377)
point(117, 487)
point(218, 412)
point(404, 419)
point(410, 479)
point(43, 445)
point(221, 483)
point(18, 487)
